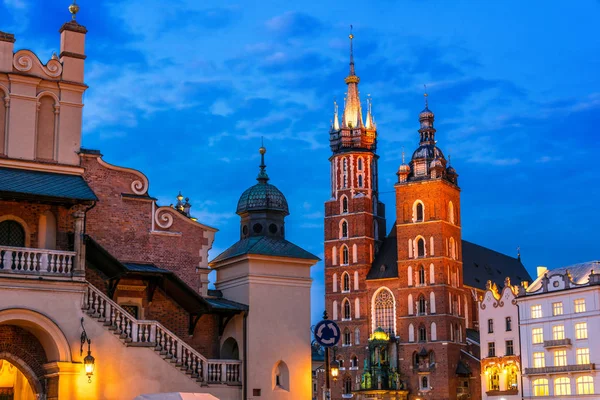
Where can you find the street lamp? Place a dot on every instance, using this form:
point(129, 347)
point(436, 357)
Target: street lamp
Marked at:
point(335, 369)
point(89, 360)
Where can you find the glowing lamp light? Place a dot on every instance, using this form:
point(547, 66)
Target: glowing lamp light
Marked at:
point(335, 370)
point(89, 364)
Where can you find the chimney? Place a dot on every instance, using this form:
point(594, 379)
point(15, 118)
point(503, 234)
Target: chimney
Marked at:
point(72, 51)
point(7, 41)
point(541, 270)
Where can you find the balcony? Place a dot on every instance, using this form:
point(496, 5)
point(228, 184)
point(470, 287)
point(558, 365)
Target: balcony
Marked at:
point(549, 344)
point(23, 261)
point(511, 392)
point(561, 369)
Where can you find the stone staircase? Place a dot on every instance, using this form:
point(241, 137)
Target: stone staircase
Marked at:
point(152, 334)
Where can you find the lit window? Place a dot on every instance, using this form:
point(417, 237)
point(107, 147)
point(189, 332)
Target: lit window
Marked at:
point(510, 350)
point(557, 308)
point(583, 356)
point(539, 360)
point(491, 349)
point(580, 305)
point(508, 324)
point(581, 330)
point(494, 380)
point(536, 311)
point(512, 381)
point(585, 385)
point(537, 335)
point(560, 358)
point(562, 386)
point(558, 332)
point(384, 311)
point(540, 387)
point(490, 326)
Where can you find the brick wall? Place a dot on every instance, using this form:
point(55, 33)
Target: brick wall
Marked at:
point(24, 345)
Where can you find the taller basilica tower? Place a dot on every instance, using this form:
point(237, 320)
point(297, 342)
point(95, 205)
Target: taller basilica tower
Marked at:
point(399, 300)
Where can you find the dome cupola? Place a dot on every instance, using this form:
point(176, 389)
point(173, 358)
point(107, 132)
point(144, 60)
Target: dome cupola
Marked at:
point(262, 207)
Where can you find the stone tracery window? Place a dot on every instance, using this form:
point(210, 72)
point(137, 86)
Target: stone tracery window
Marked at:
point(384, 309)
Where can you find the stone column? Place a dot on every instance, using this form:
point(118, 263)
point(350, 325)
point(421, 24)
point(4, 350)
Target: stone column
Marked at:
point(79, 264)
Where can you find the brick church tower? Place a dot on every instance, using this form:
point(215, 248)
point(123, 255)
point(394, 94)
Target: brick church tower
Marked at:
point(433, 308)
point(354, 226)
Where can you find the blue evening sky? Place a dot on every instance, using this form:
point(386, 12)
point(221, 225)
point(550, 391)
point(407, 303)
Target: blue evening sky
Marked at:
point(184, 90)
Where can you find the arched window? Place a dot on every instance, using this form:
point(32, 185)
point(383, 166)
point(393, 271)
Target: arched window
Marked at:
point(384, 311)
point(418, 211)
point(357, 308)
point(433, 331)
point(409, 275)
point(335, 310)
point(344, 229)
point(585, 385)
point(452, 249)
point(411, 333)
point(12, 234)
point(422, 334)
point(360, 181)
point(3, 118)
point(356, 280)
point(357, 336)
point(230, 350)
point(494, 380)
point(425, 383)
point(421, 275)
point(347, 310)
point(431, 246)
point(451, 212)
point(347, 341)
point(347, 384)
point(562, 387)
point(410, 304)
point(410, 248)
point(360, 163)
point(354, 362)
point(422, 305)
point(334, 255)
point(354, 253)
point(512, 381)
point(420, 247)
point(46, 125)
point(540, 387)
point(431, 273)
point(334, 284)
point(432, 302)
point(281, 376)
point(345, 255)
point(345, 282)
point(344, 204)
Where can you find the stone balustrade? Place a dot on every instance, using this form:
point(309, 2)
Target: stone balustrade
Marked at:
point(557, 343)
point(560, 369)
point(153, 334)
point(28, 261)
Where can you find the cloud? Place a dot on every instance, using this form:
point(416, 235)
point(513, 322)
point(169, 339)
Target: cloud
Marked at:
point(293, 24)
point(220, 107)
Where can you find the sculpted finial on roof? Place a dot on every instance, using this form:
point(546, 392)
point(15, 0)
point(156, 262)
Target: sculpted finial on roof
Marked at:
point(74, 9)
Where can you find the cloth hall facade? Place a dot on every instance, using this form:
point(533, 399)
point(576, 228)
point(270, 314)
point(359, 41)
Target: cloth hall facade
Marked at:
point(405, 296)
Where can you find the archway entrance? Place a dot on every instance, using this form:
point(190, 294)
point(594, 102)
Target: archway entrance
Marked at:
point(14, 385)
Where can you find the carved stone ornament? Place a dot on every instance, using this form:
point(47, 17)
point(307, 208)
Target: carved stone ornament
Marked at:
point(163, 217)
point(26, 61)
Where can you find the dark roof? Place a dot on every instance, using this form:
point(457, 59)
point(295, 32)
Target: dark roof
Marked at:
point(263, 245)
point(462, 368)
point(388, 257)
point(260, 197)
point(168, 281)
point(481, 264)
point(23, 184)
point(473, 335)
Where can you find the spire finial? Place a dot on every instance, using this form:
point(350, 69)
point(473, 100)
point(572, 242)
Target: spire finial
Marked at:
point(519, 253)
point(402, 154)
point(351, 36)
point(74, 9)
point(262, 175)
point(426, 95)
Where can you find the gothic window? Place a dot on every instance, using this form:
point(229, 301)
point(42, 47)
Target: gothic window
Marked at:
point(418, 211)
point(410, 248)
point(354, 253)
point(420, 247)
point(344, 204)
point(357, 336)
point(360, 181)
point(384, 309)
point(357, 308)
point(347, 338)
point(345, 282)
point(433, 331)
point(281, 376)
point(335, 310)
point(354, 362)
point(335, 283)
point(409, 275)
point(46, 124)
point(345, 255)
point(360, 164)
point(422, 334)
point(348, 384)
point(421, 275)
point(431, 273)
point(347, 310)
point(12, 234)
point(356, 280)
point(422, 305)
point(425, 383)
point(344, 230)
point(411, 333)
point(432, 302)
point(451, 212)
point(334, 255)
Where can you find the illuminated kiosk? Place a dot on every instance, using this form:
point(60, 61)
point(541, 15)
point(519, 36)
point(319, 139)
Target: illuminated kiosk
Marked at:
point(380, 379)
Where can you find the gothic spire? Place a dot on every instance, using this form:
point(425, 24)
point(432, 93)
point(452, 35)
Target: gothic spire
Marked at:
point(352, 111)
point(336, 121)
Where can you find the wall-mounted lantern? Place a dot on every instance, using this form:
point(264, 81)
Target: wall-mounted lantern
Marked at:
point(88, 361)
